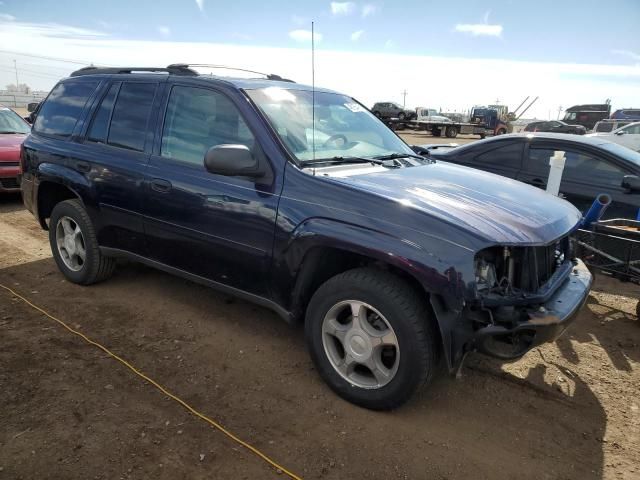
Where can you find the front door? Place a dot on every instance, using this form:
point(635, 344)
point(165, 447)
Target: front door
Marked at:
point(217, 227)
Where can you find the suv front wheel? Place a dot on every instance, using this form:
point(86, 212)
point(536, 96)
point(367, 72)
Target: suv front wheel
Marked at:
point(370, 337)
point(74, 245)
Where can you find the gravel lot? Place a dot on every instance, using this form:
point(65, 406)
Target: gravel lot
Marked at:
point(567, 410)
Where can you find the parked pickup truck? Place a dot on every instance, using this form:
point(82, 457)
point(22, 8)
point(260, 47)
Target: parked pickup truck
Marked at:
point(389, 259)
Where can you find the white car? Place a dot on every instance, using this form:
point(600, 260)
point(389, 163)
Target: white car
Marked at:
point(627, 136)
point(430, 115)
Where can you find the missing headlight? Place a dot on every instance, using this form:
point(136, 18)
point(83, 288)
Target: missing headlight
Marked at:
point(485, 275)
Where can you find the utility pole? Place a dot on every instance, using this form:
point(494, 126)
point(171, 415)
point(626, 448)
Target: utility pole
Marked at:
point(404, 98)
point(559, 110)
point(15, 65)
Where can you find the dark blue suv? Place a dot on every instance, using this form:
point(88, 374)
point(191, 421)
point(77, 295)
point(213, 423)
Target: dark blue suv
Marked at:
point(301, 200)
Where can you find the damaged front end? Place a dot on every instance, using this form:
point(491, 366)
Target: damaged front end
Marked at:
point(525, 296)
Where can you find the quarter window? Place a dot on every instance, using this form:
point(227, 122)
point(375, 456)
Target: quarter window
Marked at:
point(131, 115)
point(100, 124)
point(63, 107)
point(198, 119)
point(506, 156)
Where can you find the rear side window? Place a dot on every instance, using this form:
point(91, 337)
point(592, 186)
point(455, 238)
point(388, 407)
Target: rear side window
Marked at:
point(100, 124)
point(131, 115)
point(62, 109)
point(508, 156)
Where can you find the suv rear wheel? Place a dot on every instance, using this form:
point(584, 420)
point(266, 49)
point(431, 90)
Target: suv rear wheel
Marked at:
point(370, 337)
point(74, 245)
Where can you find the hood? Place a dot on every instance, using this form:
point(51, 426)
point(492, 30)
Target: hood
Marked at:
point(498, 209)
point(10, 146)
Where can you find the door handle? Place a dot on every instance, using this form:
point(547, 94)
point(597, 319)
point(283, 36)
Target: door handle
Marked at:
point(161, 186)
point(83, 167)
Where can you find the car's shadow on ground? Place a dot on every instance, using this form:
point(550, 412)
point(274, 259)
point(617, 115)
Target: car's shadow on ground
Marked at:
point(617, 332)
point(250, 368)
point(10, 202)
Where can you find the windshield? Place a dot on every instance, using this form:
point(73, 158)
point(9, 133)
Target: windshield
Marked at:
point(604, 127)
point(343, 128)
point(10, 122)
point(624, 152)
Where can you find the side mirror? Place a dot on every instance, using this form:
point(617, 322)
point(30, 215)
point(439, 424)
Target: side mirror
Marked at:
point(233, 161)
point(32, 107)
point(27, 119)
point(621, 132)
point(631, 183)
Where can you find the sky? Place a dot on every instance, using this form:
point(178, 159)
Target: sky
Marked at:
point(445, 55)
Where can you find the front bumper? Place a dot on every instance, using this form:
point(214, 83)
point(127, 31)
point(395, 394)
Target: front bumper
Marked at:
point(9, 178)
point(546, 321)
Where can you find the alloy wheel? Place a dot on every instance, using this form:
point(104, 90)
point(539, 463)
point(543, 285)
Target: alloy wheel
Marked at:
point(360, 344)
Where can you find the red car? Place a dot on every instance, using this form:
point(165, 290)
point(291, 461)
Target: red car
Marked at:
point(13, 131)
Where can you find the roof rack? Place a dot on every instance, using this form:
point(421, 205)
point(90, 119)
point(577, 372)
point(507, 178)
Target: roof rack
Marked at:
point(269, 76)
point(177, 69)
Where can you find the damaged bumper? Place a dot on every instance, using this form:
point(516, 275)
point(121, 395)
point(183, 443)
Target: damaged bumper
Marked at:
point(545, 322)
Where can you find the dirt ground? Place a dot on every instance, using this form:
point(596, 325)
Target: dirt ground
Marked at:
point(567, 410)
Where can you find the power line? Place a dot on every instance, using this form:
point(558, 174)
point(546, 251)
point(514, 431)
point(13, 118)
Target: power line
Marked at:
point(43, 57)
point(29, 73)
point(50, 67)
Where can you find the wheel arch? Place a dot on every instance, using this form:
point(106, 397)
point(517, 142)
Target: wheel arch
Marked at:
point(320, 257)
point(55, 184)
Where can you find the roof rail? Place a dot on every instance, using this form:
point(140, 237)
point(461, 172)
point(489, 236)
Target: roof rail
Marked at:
point(177, 69)
point(269, 76)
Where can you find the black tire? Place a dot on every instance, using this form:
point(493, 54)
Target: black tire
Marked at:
point(405, 311)
point(451, 132)
point(402, 116)
point(483, 136)
point(377, 114)
point(96, 267)
point(501, 131)
point(436, 132)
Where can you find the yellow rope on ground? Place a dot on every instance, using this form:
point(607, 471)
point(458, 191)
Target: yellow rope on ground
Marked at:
point(211, 422)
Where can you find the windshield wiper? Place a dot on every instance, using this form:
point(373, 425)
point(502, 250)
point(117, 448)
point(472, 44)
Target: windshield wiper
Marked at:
point(338, 160)
point(394, 156)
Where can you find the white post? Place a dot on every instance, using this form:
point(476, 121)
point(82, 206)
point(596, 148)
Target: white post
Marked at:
point(556, 162)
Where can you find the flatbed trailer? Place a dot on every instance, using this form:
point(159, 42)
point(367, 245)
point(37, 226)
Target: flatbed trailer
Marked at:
point(437, 129)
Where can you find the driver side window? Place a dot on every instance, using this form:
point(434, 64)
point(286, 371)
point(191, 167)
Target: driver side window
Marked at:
point(198, 119)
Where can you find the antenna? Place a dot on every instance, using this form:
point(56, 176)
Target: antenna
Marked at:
point(313, 92)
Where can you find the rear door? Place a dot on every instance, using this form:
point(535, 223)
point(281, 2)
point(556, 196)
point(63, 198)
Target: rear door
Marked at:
point(114, 153)
point(586, 174)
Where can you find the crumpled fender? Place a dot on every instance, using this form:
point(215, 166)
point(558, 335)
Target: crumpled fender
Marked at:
point(445, 284)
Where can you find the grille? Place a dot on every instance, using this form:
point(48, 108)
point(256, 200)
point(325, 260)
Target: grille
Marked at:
point(545, 258)
point(9, 164)
point(9, 183)
point(536, 265)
